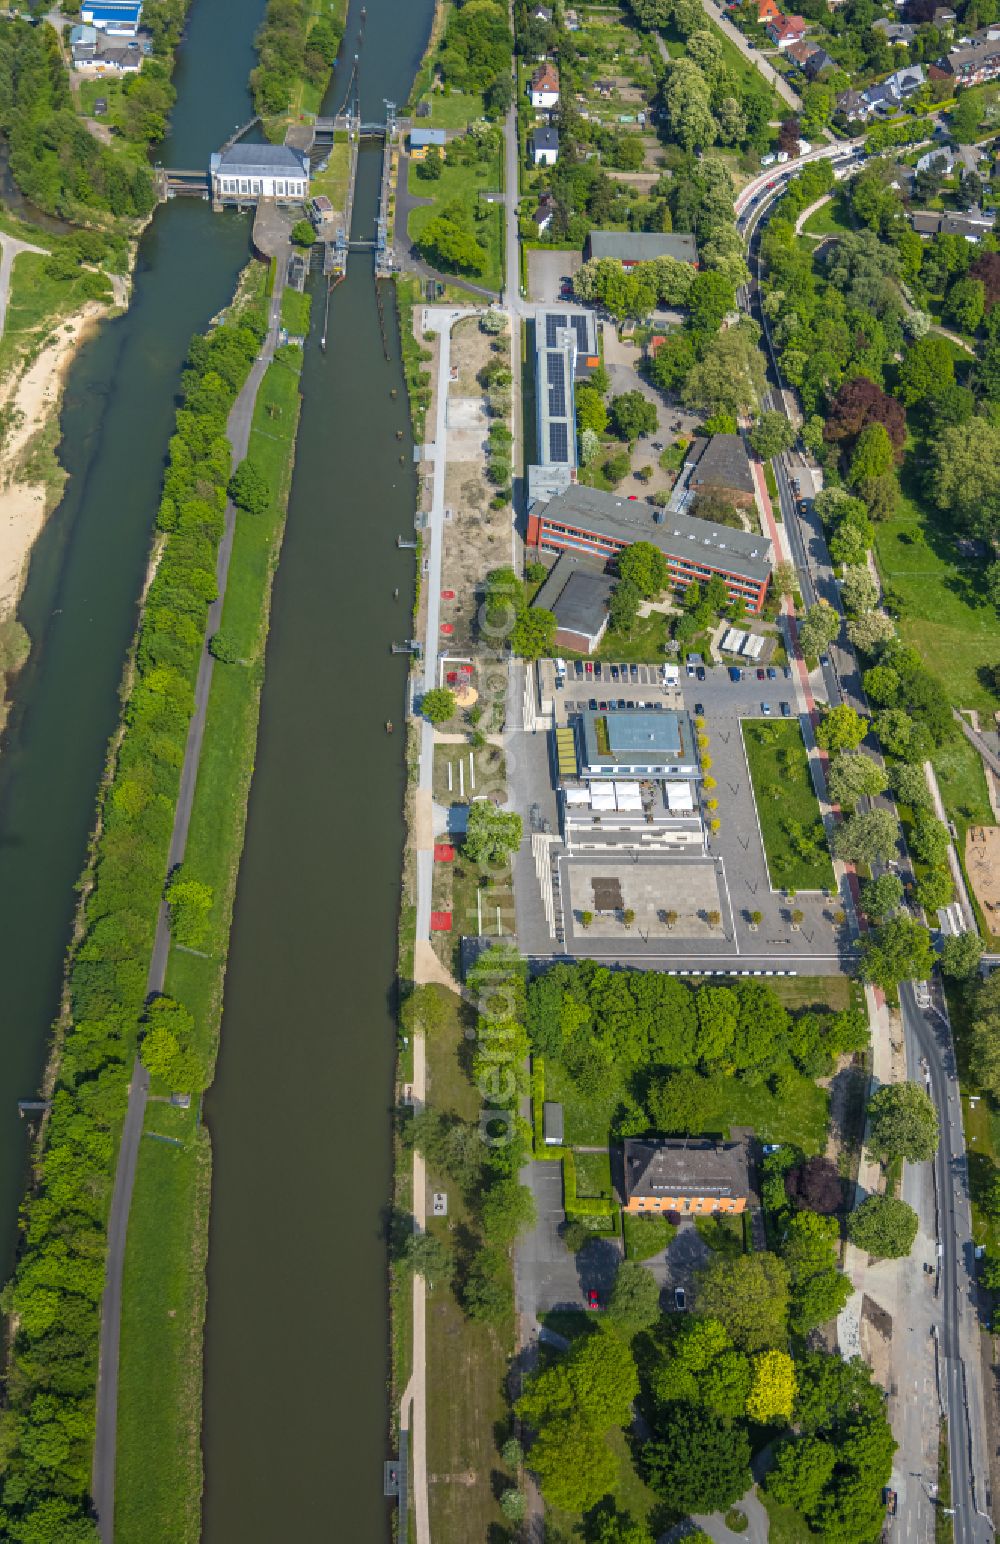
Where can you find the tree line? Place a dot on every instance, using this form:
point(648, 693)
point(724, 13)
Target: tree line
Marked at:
point(54, 1299)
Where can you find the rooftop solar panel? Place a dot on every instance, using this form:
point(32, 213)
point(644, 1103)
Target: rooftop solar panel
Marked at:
point(556, 371)
point(551, 326)
point(558, 443)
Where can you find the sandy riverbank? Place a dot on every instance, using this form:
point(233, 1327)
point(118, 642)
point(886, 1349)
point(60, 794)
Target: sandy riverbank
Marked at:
point(30, 400)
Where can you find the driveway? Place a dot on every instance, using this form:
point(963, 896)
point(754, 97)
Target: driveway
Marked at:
point(754, 1533)
point(547, 1274)
point(678, 1264)
point(546, 271)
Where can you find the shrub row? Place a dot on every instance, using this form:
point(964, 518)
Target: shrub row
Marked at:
point(54, 1299)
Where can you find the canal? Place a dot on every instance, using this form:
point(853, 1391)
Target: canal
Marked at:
point(86, 573)
point(296, 1344)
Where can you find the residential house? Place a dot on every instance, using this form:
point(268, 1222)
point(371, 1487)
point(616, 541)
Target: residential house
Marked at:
point(422, 140)
point(631, 247)
point(544, 213)
point(973, 224)
point(903, 83)
point(82, 43)
point(244, 173)
point(544, 86)
point(786, 30)
point(800, 53)
point(721, 465)
point(948, 159)
point(582, 519)
point(767, 10)
point(545, 147)
point(540, 13)
point(974, 63)
point(894, 31)
point(852, 106)
point(572, 21)
point(118, 18)
point(578, 593)
point(695, 1176)
point(944, 19)
point(819, 62)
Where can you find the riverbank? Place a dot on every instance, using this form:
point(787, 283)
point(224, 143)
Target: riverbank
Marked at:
point(55, 1298)
point(159, 1466)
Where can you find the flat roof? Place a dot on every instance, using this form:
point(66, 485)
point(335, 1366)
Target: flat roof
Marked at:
point(420, 137)
point(636, 738)
point(742, 553)
point(656, 733)
point(643, 246)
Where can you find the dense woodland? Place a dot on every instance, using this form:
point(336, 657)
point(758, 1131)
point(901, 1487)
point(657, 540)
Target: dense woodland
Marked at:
point(48, 1427)
point(291, 46)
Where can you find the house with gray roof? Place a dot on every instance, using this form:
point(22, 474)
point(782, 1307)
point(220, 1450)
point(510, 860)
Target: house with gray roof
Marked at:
point(695, 1176)
point(631, 247)
point(577, 592)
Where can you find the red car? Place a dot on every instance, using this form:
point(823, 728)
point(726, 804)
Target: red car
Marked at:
point(593, 1301)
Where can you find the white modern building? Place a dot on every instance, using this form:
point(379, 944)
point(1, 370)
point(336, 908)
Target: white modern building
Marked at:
point(245, 173)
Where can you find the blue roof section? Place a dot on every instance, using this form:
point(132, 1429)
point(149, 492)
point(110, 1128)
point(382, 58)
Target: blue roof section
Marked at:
point(113, 10)
point(646, 732)
point(419, 137)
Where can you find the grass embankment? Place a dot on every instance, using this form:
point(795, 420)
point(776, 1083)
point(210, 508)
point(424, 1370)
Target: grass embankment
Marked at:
point(333, 180)
point(159, 1423)
point(37, 304)
point(295, 312)
point(415, 357)
point(466, 1361)
point(791, 825)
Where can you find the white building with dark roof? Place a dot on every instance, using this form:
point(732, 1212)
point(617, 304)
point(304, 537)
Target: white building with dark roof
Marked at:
point(245, 173)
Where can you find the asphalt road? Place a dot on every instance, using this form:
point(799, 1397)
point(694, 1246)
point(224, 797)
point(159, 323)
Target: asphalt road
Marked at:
point(929, 1048)
point(106, 1434)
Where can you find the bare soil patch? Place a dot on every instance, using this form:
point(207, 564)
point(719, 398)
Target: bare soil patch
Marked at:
point(982, 864)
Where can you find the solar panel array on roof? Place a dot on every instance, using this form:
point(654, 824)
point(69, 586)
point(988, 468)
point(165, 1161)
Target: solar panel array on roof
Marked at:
point(558, 442)
point(556, 370)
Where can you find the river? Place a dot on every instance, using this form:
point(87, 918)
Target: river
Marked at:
point(296, 1346)
point(296, 1351)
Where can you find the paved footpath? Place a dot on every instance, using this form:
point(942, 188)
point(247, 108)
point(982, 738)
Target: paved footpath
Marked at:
point(106, 1437)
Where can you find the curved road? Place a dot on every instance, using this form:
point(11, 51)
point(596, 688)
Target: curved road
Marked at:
point(928, 1039)
point(106, 1437)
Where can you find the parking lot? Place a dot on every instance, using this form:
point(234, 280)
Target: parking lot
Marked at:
point(734, 854)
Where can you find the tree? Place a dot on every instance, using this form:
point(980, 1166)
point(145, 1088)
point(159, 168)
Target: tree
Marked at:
point(729, 377)
point(870, 631)
point(534, 632)
point(492, 835)
point(596, 1380)
point(429, 1256)
point(590, 410)
point(772, 434)
point(448, 241)
point(870, 837)
point(929, 840)
point(884, 1226)
point(855, 775)
point(508, 1209)
point(984, 1056)
point(710, 298)
point(858, 589)
point(574, 1465)
point(190, 905)
point(772, 1391)
point(438, 705)
point(248, 488)
point(687, 113)
point(696, 1462)
point(815, 1185)
point(858, 405)
point(632, 414)
point(634, 1303)
point(899, 950)
point(609, 1526)
point(960, 955)
point(646, 567)
point(818, 1289)
point(624, 606)
point(487, 1291)
point(431, 167)
point(902, 1123)
point(966, 475)
point(801, 1473)
point(681, 1102)
point(841, 729)
point(514, 1505)
point(303, 234)
point(927, 369)
point(900, 736)
point(749, 1296)
point(881, 897)
point(873, 456)
point(818, 628)
point(965, 304)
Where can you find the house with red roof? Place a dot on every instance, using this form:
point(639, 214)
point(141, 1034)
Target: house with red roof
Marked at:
point(786, 30)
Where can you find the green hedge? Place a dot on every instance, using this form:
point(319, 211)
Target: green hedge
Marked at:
point(48, 1428)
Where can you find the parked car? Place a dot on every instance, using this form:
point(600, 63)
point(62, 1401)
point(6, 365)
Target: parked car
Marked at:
point(787, 672)
point(593, 1301)
point(590, 668)
point(772, 674)
point(699, 709)
point(786, 711)
point(765, 708)
point(597, 670)
point(734, 673)
point(700, 673)
point(680, 1298)
point(578, 668)
point(592, 704)
point(824, 660)
point(761, 674)
point(621, 702)
point(602, 707)
point(633, 672)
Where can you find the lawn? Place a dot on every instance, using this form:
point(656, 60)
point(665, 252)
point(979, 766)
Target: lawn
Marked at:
point(462, 182)
point(831, 220)
point(453, 110)
point(820, 993)
point(643, 646)
point(593, 1174)
point(646, 1236)
point(37, 304)
point(941, 597)
point(786, 1525)
point(466, 1362)
point(159, 1479)
point(794, 840)
point(167, 1240)
point(332, 182)
point(295, 312)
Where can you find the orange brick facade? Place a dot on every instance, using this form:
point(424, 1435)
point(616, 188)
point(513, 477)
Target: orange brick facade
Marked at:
point(688, 1206)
